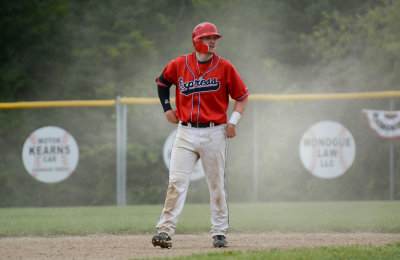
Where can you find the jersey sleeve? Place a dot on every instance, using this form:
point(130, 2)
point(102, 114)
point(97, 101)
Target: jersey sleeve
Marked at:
point(237, 89)
point(168, 76)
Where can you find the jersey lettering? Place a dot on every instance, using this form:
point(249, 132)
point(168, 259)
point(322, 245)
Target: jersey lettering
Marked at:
point(197, 85)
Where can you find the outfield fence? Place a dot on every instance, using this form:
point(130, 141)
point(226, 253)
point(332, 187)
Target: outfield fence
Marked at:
point(120, 104)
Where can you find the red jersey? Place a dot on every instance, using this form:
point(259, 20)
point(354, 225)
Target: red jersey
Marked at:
point(203, 89)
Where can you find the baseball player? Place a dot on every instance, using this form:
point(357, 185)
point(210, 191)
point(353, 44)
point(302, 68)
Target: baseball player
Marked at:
point(204, 81)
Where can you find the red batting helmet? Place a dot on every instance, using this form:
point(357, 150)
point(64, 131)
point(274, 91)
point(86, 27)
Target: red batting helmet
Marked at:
point(202, 30)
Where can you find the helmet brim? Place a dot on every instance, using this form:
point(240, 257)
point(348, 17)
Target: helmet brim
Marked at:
point(207, 34)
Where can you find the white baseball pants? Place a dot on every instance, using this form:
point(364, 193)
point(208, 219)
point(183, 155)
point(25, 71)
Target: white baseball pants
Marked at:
point(190, 144)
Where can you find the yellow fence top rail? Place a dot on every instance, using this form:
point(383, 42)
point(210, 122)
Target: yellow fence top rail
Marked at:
point(325, 96)
point(64, 103)
point(255, 97)
point(135, 100)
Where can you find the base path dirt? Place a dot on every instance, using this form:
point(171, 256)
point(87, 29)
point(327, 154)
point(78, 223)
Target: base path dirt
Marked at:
point(139, 246)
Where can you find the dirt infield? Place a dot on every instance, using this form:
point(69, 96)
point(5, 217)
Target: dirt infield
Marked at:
point(139, 246)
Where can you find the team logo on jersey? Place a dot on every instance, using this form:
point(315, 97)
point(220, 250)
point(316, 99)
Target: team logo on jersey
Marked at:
point(197, 85)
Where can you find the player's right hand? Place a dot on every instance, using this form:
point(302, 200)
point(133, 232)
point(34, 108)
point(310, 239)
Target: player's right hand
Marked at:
point(230, 131)
point(171, 117)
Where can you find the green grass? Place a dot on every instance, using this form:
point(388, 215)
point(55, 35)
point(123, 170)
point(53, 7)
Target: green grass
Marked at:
point(78, 220)
point(375, 216)
point(353, 252)
point(372, 216)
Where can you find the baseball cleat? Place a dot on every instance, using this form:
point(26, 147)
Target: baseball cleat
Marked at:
point(219, 241)
point(162, 240)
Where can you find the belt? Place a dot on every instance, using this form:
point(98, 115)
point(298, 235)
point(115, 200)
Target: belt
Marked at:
point(199, 125)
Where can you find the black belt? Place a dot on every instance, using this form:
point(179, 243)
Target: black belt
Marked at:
point(199, 125)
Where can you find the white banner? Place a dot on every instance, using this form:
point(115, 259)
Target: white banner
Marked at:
point(385, 124)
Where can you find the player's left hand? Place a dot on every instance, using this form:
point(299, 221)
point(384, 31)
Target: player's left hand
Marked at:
point(230, 131)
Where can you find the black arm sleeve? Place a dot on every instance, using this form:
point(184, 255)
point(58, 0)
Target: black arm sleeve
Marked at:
point(163, 94)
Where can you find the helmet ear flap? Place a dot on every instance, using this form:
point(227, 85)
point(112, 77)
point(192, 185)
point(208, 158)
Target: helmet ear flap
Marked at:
point(200, 47)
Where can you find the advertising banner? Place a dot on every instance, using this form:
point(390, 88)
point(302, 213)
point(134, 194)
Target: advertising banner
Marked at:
point(50, 154)
point(327, 149)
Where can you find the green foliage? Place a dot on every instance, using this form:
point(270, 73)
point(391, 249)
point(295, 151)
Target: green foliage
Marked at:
point(32, 34)
point(361, 51)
